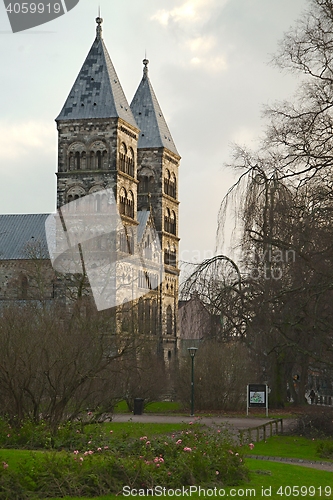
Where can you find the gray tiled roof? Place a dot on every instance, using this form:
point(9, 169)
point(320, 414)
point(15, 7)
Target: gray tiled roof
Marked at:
point(143, 217)
point(22, 235)
point(149, 117)
point(97, 92)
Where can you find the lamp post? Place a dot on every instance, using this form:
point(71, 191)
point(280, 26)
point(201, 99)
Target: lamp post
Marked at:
point(192, 351)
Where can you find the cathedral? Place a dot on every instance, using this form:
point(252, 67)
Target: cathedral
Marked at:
point(105, 143)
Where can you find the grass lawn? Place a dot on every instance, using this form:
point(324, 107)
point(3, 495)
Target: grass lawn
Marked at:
point(288, 447)
point(137, 429)
point(162, 407)
point(270, 478)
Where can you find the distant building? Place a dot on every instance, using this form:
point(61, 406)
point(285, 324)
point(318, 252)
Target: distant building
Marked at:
point(196, 323)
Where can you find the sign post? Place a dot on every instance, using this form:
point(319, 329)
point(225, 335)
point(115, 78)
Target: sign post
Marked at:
point(257, 397)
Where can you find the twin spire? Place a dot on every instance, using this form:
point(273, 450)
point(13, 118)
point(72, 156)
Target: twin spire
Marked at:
point(97, 93)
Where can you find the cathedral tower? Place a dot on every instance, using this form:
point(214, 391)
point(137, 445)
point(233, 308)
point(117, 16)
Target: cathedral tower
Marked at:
point(97, 146)
point(158, 162)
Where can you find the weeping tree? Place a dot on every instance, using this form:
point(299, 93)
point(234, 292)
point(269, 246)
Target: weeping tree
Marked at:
point(275, 293)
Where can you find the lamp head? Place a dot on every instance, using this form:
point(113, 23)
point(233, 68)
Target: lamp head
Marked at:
point(192, 351)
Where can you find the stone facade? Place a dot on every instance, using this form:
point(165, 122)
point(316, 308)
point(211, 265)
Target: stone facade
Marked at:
point(103, 143)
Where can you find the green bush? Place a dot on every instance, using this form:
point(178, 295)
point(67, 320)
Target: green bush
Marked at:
point(325, 449)
point(193, 457)
point(69, 436)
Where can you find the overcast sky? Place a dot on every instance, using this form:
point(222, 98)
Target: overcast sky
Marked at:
point(208, 66)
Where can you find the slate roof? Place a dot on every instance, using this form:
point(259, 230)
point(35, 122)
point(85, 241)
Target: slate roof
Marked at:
point(143, 218)
point(149, 117)
point(17, 232)
point(97, 92)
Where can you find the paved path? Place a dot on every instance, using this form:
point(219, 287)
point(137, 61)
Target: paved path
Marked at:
point(235, 422)
point(328, 466)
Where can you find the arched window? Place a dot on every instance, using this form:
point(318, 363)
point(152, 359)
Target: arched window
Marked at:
point(122, 201)
point(105, 159)
point(167, 254)
point(170, 184)
point(126, 160)
point(98, 156)
point(92, 160)
point(173, 257)
point(130, 162)
point(169, 320)
point(71, 161)
point(130, 205)
point(170, 256)
point(77, 161)
point(167, 217)
point(173, 228)
point(170, 225)
point(173, 186)
point(99, 160)
point(74, 193)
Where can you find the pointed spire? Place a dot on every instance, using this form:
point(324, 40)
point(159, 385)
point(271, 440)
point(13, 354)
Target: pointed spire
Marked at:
point(99, 30)
point(97, 92)
point(154, 131)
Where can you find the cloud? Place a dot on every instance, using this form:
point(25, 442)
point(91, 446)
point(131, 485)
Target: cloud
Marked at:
point(25, 139)
point(201, 47)
point(191, 11)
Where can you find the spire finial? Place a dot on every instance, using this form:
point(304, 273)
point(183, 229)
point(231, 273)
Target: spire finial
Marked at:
point(99, 21)
point(145, 69)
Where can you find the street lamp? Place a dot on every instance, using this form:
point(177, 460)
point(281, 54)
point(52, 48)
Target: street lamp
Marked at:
point(192, 351)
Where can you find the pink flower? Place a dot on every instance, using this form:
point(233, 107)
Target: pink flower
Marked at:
point(99, 449)
point(111, 432)
point(217, 473)
point(169, 473)
point(4, 465)
point(8, 435)
point(251, 446)
point(89, 413)
point(147, 443)
point(156, 459)
point(187, 449)
point(190, 423)
point(90, 452)
point(161, 460)
point(157, 465)
point(106, 447)
point(143, 438)
point(76, 452)
point(86, 453)
point(179, 441)
point(81, 459)
point(218, 431)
